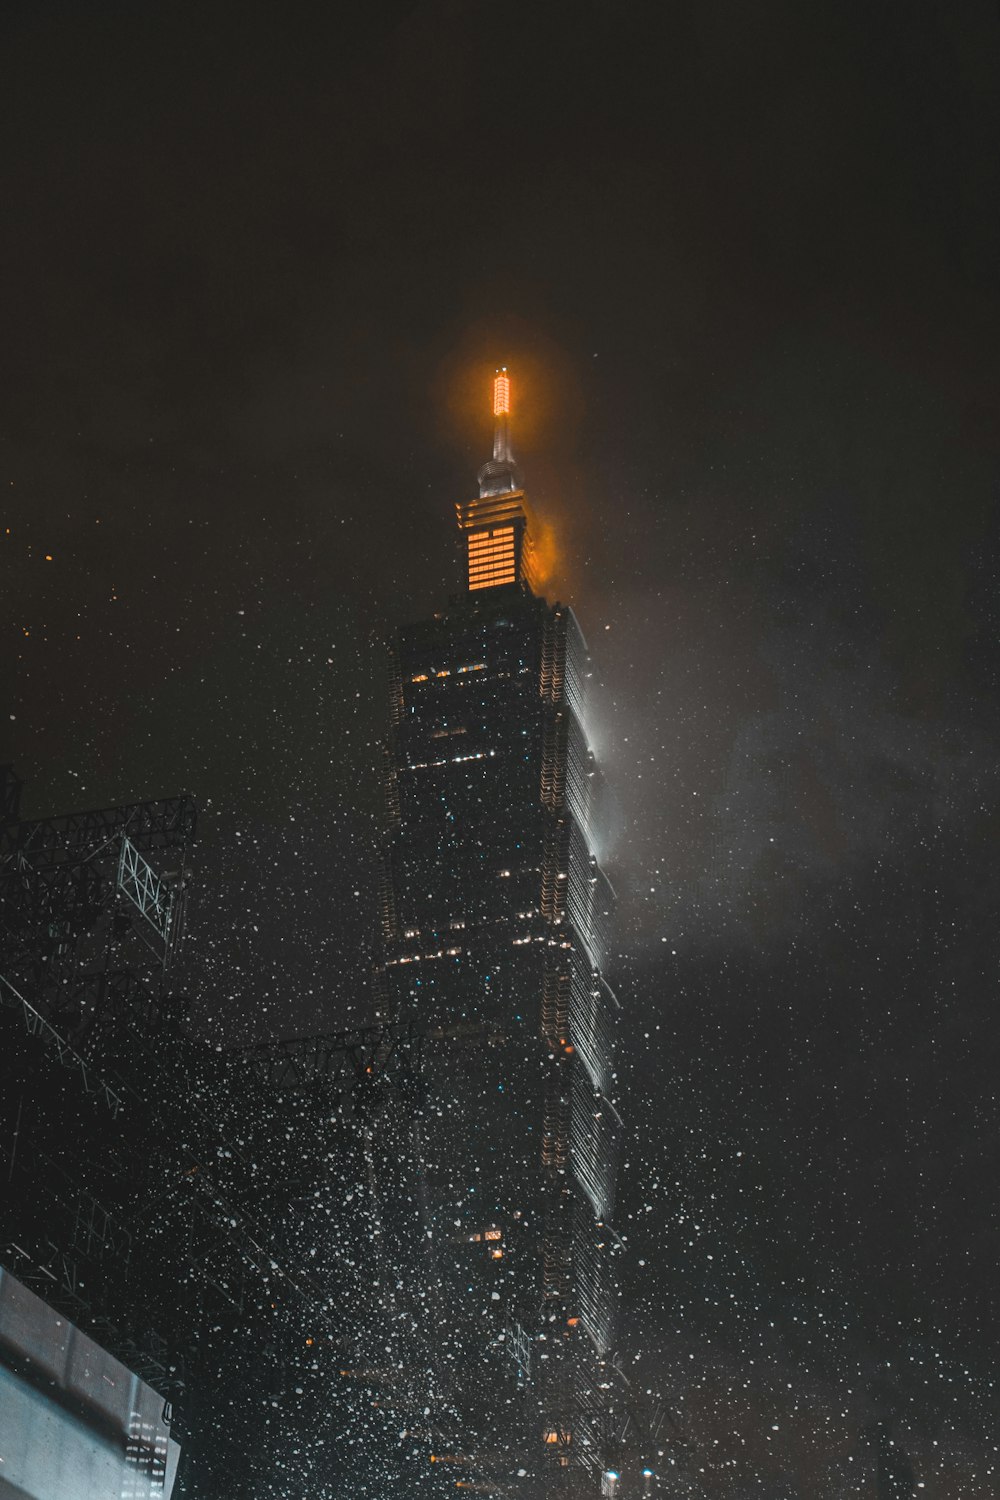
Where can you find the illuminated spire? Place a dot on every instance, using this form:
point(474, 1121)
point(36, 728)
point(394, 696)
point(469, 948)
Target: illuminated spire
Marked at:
point(500, 475)
point(501, 393)
point(498, 543)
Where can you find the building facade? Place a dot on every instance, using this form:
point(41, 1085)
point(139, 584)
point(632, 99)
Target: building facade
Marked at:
point(495, 919)
point(73, 1420)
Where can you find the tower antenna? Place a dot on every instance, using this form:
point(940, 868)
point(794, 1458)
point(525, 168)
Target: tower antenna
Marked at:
point(500, 475)
point(501, 415)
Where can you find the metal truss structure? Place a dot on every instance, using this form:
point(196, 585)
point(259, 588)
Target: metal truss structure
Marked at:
point(36, 1025)
point(343, 1062)
point(168, 823)
point(67, 887)
point(158, 1189)
point(84, 968)
point(153, 1221)
point(152, 896)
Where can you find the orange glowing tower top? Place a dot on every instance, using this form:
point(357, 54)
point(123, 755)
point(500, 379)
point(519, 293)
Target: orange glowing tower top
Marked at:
point(496, 525)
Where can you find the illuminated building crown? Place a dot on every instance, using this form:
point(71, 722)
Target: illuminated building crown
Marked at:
point(496, 526)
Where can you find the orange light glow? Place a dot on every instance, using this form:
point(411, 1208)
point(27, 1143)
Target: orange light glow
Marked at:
point(501, 393)
point(545, 553)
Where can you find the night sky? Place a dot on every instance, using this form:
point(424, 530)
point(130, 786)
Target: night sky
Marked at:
point(258, 264)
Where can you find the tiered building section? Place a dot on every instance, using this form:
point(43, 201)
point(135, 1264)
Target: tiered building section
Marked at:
point(496, 917)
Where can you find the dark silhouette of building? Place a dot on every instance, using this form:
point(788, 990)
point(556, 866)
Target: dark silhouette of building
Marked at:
point(192, 1227)
point(90, 1367)
point(495, 925)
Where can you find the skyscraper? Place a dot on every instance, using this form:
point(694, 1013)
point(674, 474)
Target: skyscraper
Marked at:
point(495, 931)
